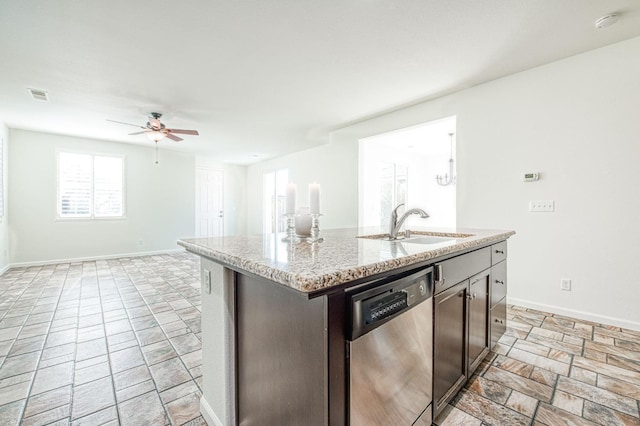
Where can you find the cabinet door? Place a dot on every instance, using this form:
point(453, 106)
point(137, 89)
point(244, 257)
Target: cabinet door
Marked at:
point(478, 319)
point(449, 344)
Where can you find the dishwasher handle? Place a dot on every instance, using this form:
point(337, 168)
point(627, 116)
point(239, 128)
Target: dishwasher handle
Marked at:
point(438, 275)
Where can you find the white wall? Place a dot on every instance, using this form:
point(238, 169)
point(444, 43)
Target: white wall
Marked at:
point(4, 220)
point(159, 201)
point(574, 121)
point(235, 194)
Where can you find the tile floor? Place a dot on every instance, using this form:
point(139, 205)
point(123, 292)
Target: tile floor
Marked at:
point(553, 370)
point(102, 342)
point(118, 342)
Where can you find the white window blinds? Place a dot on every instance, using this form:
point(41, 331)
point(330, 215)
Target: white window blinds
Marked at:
point(89, 186)
point(107, 186)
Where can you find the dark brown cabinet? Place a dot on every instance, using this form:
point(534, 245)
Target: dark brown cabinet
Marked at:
point(449, 344)
point(498, 299)
point(298, 371)
point(461, 335)
point(461, 322)
point(478, 320)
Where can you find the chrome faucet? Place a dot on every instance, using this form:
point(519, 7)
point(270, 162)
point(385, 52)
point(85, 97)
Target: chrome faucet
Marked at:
point(395, 224)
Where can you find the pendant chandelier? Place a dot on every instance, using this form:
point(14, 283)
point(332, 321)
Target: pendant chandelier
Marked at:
point(448, 178)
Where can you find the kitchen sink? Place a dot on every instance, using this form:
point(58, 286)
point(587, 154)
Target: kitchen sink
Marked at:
point(426, 240)
point(422, 237)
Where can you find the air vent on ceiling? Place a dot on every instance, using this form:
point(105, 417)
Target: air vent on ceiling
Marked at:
point(39, 95)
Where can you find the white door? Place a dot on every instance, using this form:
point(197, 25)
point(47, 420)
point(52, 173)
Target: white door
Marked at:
point(209, 209)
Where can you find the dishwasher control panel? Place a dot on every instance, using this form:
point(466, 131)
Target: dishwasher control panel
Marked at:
point(387, 299)
point(384, 305)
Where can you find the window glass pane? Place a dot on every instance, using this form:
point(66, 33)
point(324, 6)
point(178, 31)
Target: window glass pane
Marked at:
point(402, 174)
point(107, 186)
point(74, 185)
point(282, 178)
point(386, 172)
point(275, 186)
point(90, 186)
point(269, 202)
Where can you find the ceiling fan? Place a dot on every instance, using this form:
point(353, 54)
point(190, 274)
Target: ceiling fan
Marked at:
point(157, 131)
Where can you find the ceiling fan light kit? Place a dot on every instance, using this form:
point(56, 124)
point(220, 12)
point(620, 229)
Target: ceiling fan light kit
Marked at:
point(155, 136)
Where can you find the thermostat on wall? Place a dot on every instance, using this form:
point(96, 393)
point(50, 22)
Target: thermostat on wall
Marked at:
point(530, 177)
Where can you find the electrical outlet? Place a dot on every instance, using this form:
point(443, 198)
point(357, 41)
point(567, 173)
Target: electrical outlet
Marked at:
point(542, 206)
point(565, 284)
point(139, 243)
point(207, 281)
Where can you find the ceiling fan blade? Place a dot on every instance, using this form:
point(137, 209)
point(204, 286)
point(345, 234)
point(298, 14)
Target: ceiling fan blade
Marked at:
point(137, 133)
point(128, 124)
point(173, 137)
point(184, 132)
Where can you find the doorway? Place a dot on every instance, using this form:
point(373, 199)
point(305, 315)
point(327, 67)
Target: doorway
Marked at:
point(209, 202)
point(402, 167)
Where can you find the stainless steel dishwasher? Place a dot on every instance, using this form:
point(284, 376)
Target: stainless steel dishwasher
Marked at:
point(390, 352)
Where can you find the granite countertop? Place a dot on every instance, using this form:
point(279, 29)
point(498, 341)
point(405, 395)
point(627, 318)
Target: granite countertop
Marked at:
point(340, 258)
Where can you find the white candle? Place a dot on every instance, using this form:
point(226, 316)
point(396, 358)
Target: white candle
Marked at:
point(314, 198)
point(291, 199)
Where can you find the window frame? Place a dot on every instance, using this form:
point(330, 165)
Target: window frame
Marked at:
point(92, 217)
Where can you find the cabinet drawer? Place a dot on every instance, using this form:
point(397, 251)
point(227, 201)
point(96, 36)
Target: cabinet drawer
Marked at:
point(498, 282)
point(498, 252)
point(498, 321)
point(458, 269)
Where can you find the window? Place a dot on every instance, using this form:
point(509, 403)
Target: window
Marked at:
point(90, 186)
point(275, 186)
point(393, 190)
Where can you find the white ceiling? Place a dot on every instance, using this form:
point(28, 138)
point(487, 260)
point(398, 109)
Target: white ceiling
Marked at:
point(260, 79)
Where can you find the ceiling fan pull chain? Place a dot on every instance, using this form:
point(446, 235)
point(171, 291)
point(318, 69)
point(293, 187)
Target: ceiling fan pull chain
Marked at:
point(156, 152)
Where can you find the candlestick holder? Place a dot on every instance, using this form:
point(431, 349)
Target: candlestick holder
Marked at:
point(315, 229)
point(291, 229)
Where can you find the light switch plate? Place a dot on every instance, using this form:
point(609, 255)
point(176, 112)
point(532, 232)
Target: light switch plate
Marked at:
point(542, 206)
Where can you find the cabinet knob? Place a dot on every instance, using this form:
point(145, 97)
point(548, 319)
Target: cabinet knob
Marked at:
point(499, 282)
point(500, 251)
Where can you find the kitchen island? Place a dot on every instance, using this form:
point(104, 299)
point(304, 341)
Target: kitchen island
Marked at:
point(276, 315)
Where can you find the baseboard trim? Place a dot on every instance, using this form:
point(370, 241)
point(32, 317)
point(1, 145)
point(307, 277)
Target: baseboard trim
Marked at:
point(588, 316)
point(208, 414)
point(5, 269)
point(90, 258)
